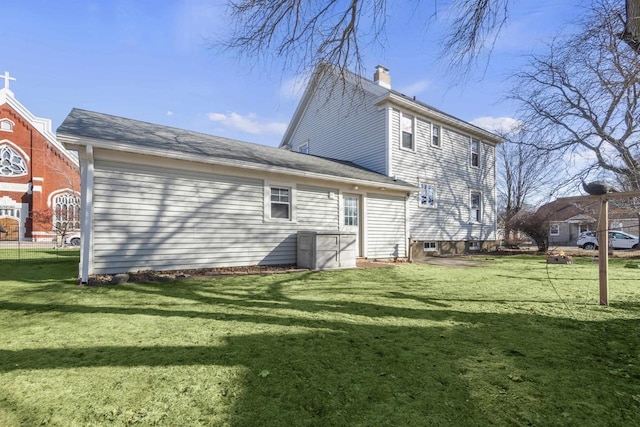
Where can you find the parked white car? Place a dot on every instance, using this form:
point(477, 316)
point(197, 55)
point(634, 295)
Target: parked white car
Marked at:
point(617, 240)
point(72, 239)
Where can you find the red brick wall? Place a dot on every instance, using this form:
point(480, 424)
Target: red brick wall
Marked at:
point(56, 170)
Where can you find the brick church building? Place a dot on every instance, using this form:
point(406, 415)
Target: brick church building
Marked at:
point(39, 178)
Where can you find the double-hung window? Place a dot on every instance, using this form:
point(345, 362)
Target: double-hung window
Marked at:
point(475, 206)
point(427, 198)
point(475, 152)
point(407, 140)
point(280, 203)
point(554, 229)
point(435, 136)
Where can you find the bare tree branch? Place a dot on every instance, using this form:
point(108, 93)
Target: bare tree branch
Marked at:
point(582, 96)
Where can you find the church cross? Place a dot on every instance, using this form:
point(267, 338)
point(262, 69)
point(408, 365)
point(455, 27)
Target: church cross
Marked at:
point(6, 79)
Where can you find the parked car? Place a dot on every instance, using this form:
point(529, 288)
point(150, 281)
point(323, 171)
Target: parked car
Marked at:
point(72, 239)
point(617, 239)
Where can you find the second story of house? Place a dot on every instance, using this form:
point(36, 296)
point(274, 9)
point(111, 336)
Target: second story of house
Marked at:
point(349, 117)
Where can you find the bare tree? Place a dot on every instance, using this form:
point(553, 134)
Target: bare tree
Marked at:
point(306, 34)
point(524, 172)
point(582, 97)
point(535, 224)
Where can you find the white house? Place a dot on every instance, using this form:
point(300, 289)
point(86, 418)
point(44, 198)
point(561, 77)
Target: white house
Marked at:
point(451, 161)
point(160, 198)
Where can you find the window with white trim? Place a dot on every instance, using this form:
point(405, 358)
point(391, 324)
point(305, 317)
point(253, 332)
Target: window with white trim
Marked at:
point(427, 197)
point(407, 123)
point(303, 148)
point(474, 245)
point(554, 229)
point(475, 152)
point(11, 163)
point(430, 246)
point(351, 211)
point(280, 203)
point(6, 125)
point(66, 212)
point(475, 206)
point(435, 135)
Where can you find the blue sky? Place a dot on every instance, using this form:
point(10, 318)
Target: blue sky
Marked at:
point(151, 60)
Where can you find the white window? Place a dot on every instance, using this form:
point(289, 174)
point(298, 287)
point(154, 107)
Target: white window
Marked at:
point(280, 203)
point(11, 163)
point(406, 131)
point(475, 206)
point(435, 136)
point(430, 246)
point(427, 198)
point(66, 212)
point(474, 245)
point(304, 148)
point(554, 229)
point(6, 125)
point(351, 211)
point(475, 152)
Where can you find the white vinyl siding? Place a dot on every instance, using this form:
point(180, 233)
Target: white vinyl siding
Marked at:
point(447, 166)
point(386, 231)
point(168, 219)
point(347, 128)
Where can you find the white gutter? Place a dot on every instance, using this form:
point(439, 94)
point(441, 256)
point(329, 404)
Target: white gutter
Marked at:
point(86, 201)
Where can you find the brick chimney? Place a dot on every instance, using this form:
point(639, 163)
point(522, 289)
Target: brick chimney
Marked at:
point(382, 77)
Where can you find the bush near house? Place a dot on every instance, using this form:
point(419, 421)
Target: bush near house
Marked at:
point(502, 341)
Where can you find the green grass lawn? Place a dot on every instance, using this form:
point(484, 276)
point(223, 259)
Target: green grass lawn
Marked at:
point(512, 342)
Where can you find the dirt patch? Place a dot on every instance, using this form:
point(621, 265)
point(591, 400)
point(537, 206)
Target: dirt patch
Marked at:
point(168, 276)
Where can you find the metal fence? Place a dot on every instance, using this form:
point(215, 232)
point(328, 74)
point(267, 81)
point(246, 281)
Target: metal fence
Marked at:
point(40, 246)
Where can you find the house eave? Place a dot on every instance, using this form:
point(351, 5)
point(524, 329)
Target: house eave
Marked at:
point(398, 100)
point(72, 142)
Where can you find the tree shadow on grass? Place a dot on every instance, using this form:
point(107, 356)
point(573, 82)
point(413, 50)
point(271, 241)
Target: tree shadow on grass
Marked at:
point(460, 368)
point(368, 363)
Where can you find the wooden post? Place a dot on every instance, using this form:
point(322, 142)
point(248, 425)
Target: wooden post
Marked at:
point(603, 250)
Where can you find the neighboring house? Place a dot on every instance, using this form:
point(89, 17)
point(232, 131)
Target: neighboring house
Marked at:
point(155, 197)
point(39, 178)
point(568, 219)
point(450, 160)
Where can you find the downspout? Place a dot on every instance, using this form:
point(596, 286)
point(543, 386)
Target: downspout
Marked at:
point(86, 202)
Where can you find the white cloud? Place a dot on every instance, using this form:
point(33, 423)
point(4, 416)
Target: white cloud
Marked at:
point(169, 113)
point(501, 125)
point(248, 123)
point(415, 88)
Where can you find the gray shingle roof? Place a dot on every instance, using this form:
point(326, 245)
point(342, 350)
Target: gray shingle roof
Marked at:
point(137, 136)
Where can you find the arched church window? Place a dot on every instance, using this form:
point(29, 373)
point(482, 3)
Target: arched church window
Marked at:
point(11, 163)
point(66, 212)
point(6, 125)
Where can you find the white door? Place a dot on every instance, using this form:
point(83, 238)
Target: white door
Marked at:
point(351, 218)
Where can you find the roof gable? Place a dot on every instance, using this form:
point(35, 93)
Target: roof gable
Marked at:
point(348, 83)
point(42, 125)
